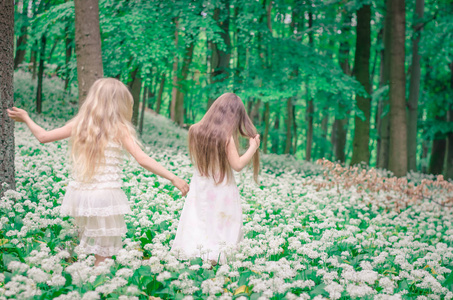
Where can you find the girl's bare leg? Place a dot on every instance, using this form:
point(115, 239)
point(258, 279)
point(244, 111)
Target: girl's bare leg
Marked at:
point(99, 259)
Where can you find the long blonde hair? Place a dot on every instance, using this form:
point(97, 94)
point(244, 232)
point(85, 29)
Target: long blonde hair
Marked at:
point(208, 139)
point(104, 116)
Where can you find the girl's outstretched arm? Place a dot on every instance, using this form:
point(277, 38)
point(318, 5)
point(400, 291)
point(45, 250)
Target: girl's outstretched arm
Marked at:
point(151, 164)
point(239, 162)
point(43, 136)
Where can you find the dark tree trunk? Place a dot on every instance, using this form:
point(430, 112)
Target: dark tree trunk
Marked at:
point(276, 136)
point(220, 59)
point(361, 150)
point(267, 112)
point(21, 46)
point(310, 105)
point(174, 91)
point(414, 89)
point(439, 147)
point(68, 54)
point(88, 45)
point(6, 94)
point(41, 74)
point(310, 111)
point(33, 59)
point(449, 162)
point(294, 130)
point(161, 90)
point(339, 129)
point(136, 86)
point(289, 124)
point(142, 113)
point(397, 92)
point(179, 105)
point(384, 126)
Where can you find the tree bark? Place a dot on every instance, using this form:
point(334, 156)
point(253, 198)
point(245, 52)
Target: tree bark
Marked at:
point(33, 59)
point(174, 91)
point(161, 90)
point(267, 112)
point(414, 89)
point(6, 94)
point(384, 126)
point(179, 105)
point(276, 136)
point(142, 113)
point(68, 54)
point(88, 45)
point(339, 127)
point(310, 105)
point(361, 150)
point(397, 92)
point(41, 74)
point(437, 159)
point(136, 86)
point(289, 124)
point(21, 45)
point(220, 59)
point(449, 158)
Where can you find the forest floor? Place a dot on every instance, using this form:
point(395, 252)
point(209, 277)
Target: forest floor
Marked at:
point(310, 231)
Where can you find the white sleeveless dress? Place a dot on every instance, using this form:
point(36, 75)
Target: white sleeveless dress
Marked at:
point(98, 207)
point(211, 219)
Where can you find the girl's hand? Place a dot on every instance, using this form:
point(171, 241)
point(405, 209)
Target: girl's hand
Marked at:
point(255, 142)
point(17, 114)
point(180, 185)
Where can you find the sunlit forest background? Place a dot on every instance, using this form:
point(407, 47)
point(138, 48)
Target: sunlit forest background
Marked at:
point(315, 76)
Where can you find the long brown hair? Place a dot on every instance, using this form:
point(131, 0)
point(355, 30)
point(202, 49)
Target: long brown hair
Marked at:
point(208, 139)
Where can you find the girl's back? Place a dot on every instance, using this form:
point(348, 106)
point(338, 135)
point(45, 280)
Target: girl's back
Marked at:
point(212, 214)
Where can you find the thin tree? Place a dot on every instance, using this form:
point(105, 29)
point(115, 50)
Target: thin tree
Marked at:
point(414, 89)
point(88, 45)
point(6, 94)
point(397, 91)
point(360, 144)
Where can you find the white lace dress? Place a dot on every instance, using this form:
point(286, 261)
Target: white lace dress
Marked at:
point(98, 207)
point(211, 219)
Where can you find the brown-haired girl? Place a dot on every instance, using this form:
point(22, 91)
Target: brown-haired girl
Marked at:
point(212, 213)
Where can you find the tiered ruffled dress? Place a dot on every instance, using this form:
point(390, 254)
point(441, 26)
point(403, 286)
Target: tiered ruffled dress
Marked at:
point(211, 219)
point(98, 207)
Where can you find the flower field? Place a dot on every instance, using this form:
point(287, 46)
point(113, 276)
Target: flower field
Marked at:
point(311, 231)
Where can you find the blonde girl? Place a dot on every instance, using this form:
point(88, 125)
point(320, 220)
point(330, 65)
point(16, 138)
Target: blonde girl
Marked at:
point(98, 133)
point(212, 213)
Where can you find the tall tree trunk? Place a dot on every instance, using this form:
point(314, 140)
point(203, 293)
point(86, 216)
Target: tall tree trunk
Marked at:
point(174, 91)
point(267, 112)
point(361, 150)
point(397, 93)
point(449, 163)
point(289, 124)
point(339, 127)
point(276, 136)
point(310, 105)
point(384, 129)
point(310, 111)
point(68, 54)
point(161, 90)
point(295, 135)
point(88, 45)
point(220, 59)
point(41, 74)
point(179, 105)
point(142, 113)
point(414, 89)
point(437, 159)
point(21, 44)
point(33, 59)
point(6, 94)
point(136, 86)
